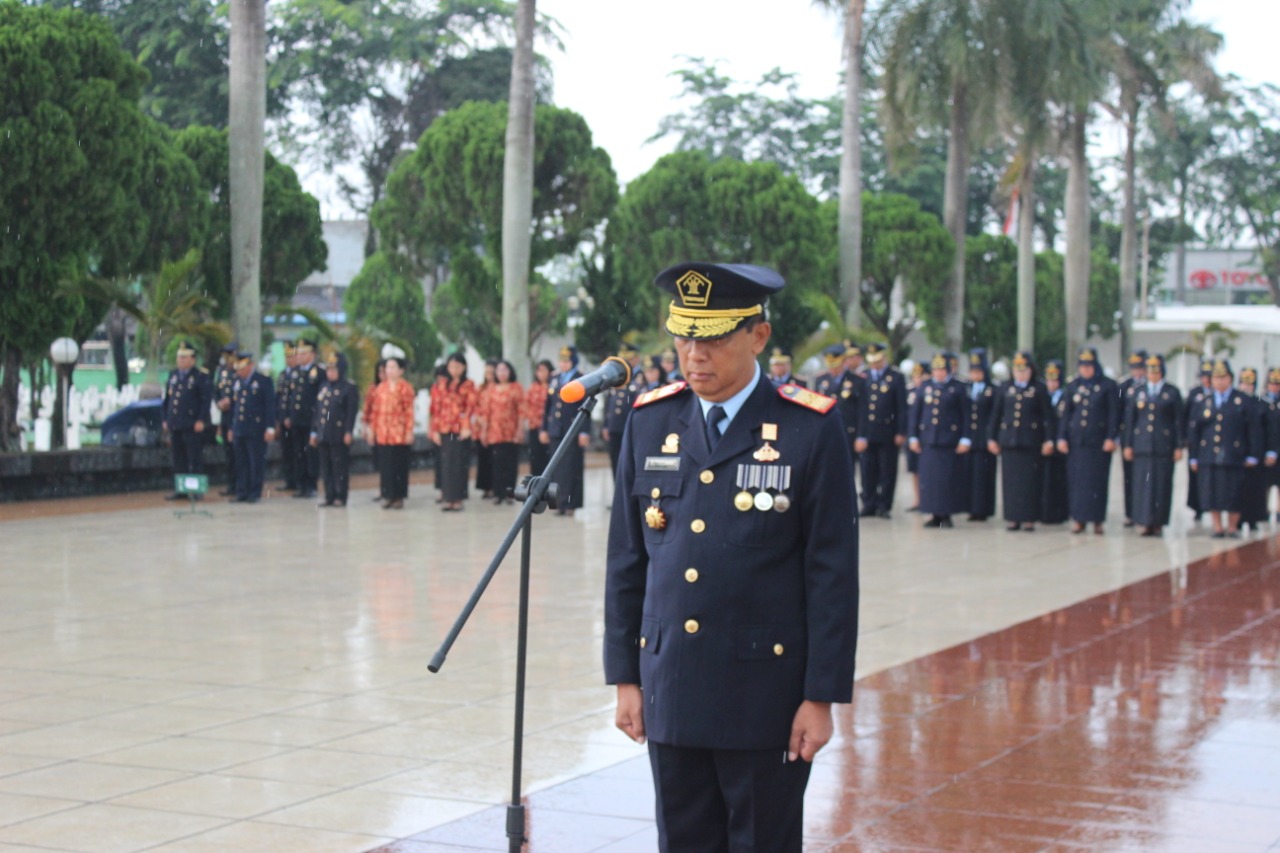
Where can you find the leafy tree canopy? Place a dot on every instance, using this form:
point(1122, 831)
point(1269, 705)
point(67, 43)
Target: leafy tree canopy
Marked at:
point(292, 243)
point(443, 210)
point(385, 297)
point(689, 208)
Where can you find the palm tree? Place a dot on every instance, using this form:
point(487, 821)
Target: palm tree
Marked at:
point(246, 123)
point(517, 194)
point(941, 69)
point(1150, 47)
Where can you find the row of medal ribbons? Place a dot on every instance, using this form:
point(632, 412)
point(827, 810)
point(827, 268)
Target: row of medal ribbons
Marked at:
point(763, 487)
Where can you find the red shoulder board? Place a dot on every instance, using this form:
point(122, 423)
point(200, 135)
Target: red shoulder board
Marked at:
point(809, 399)
point(659, 394)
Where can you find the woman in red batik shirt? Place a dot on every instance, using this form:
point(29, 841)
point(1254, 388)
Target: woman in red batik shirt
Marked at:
point(535, 404)
point(453, 404)
point(500, 413)
point(391, 423)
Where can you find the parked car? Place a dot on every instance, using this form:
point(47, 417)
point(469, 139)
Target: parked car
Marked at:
point(136, 425)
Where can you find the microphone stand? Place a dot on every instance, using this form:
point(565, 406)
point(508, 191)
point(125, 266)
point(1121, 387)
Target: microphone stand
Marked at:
point(538, 493)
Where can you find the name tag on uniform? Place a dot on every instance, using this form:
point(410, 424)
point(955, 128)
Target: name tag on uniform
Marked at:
point(662, 463)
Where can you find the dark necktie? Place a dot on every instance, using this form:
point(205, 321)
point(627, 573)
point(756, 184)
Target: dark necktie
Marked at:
point(714, 417)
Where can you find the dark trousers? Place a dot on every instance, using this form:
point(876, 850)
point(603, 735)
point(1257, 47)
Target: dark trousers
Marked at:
point(187, 447)
point(615, 450)
point(879, 477)
point(229, 452)
point(251, 465)
point(395, 471)
point(306, 460)
point(1128, 488)
point(484, 468)
point(289, 455)
point(728, 800)
point(539, 453)
point(335, 461)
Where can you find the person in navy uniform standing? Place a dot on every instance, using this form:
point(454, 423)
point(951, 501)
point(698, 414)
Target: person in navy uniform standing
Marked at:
point(882, 429)
point(1152, 440)
point(618, 404)
point(780, 369)
point(224, 379)
point(731, 596)
point(828, 382)
point(939, 429)
point(850, 396)
point(980, 463)
point(556, 421)
point(1253, 485)
point(253, 418)
point(1194, 402)
point(188, 397)
point(1090, 422)
point(1054, 508)
point(1137, 377)
point(1271, 429)
point(285, 386)
point(307, 379)
point(337, 406)
point(1224, 437)
point(1020, 433)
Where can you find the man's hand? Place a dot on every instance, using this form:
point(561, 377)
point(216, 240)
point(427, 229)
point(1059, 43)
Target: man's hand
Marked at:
point(346, 439)
point(1108, 446)
point(604, 433)
point(315, 442)
point(914, 445)
point(629, 717)
point(993, 448)
point(1046, 449)
point(1177, 454)
point(584, 440)
point(810, 730)
point(1063, 447)
point(1128, 454)
point(962, 449)
point(224, 404)
point(860, 445)
point(288, 423)
point(899, 440)
point(269, 436)
point(199, 427)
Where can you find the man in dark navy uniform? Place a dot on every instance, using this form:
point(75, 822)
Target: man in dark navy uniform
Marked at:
point(1127, 387)
point(556, 421)
point(1087, 434)
point(1020, 432)
point(308, 377)
point(850, 396)
point(253, 418)
point(284, 386)
point(224, 381)
point(732, 589)
point(828, 382)
point(618, 404)
point(939, 430)
point(780, 369)
point(1224, 437)
point(337, 407)
point(188, 396)
point(882, 429)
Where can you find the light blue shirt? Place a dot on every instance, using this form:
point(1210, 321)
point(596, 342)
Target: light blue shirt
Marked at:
point(733, 404)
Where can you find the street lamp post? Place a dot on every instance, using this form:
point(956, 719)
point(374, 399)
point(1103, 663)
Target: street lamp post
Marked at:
point(64, 353)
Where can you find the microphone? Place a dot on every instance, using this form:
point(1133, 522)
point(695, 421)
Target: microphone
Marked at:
point(611, 373)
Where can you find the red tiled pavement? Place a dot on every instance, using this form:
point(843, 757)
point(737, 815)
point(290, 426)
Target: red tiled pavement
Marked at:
point(1146, 719)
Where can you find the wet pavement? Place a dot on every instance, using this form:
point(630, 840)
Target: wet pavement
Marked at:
point(256, 680)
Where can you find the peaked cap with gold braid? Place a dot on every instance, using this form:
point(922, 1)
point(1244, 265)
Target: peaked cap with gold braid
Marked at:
point(713, 300)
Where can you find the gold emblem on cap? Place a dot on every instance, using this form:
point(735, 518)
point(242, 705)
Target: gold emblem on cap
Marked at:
point(671, 444)
point(694, 289)
point(655, 518)
point(743, 501)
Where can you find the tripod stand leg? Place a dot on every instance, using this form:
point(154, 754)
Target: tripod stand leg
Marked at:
point(515, 811)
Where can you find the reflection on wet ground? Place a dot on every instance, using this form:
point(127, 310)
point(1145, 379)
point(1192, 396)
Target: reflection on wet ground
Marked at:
point(1145, 719)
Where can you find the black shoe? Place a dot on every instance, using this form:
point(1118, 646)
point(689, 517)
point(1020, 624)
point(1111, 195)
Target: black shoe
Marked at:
point(306, 493)
point(884, 513)
point(977, 518)
point(1029, 527)
point(226, 493)
point(945, 522)
point(175, 497)
point(1013, 525)
point(1128, 523)
point(1217, 534)
point(324, 504)
point(934, 521)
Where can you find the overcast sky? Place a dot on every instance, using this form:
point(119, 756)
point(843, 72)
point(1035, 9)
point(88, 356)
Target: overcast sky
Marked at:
point(618, 58)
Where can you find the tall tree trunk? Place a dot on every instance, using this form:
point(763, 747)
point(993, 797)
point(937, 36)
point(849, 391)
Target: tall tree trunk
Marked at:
point(247, 119)
point(117, 327)
point(955, 214)
point(1129, 233)
point(517, 194)
point(10, 366)
point(1027, 253)
point(1180, 266)
point(850, 212)
point(1076, 262)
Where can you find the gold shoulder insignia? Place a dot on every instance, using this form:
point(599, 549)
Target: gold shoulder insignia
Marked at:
point(659, 394)
point(808, 399)
point(203, 370)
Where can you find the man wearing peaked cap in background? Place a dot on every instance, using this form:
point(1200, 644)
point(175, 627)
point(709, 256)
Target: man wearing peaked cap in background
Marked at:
point(780, 369)
point(285, 388)
point(828, 382)
point(1271, 429)
point(253, 418)
point(1053, 507)
point(188, 396)
point(618, 403)
point(1152, 438)
point(979, 466)
point(1195, 398)
point(337, 406)
point(731, 596)
point(1020, 432)
point(882, 429)
point(1086, 433)
point(224, 381)
point(308, 376)
point(1253, 486)
point(557, 419)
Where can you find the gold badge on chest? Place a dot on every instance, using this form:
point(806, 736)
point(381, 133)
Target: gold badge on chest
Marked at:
point(655, 517)
point(768, 432)
point(671, 444)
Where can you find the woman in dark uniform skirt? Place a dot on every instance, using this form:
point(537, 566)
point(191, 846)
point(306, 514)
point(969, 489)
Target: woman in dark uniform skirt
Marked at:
point(1152, 438)
point(1253, 486)
point(980, 461)
point(569, 475)
point(1195, 399)
point(1019, 429)
point(938, 427)
point(1053, 505)
point(1086, 433)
